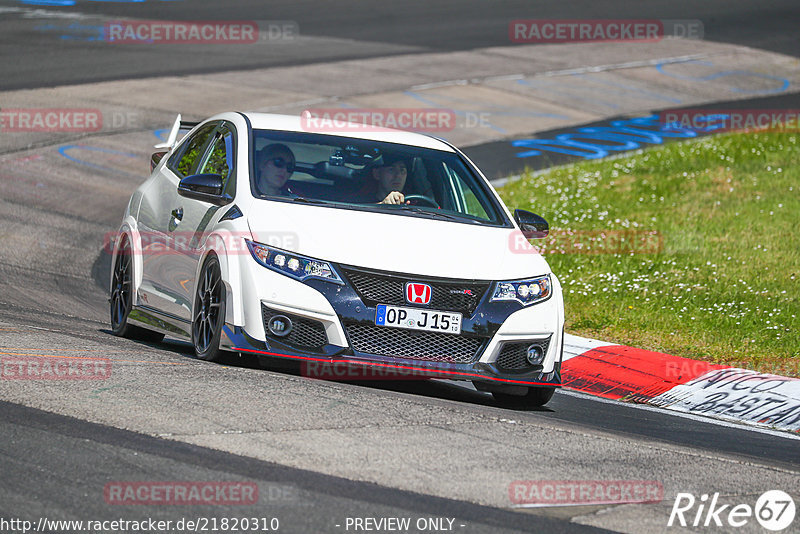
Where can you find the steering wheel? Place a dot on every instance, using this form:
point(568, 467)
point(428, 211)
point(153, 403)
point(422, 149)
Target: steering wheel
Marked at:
point(421, 200)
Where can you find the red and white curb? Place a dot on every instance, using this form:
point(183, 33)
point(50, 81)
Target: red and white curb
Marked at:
point(625, 373)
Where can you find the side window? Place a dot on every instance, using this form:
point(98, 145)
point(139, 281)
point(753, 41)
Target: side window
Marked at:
point(184, 160)
point(465, 198)
point(220, 157)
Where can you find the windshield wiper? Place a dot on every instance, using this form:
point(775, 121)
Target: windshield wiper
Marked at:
point(437, 213)
point(405, 207)
point(306, 200)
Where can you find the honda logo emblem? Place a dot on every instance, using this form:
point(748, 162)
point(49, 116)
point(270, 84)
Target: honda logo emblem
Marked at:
point(418, 293)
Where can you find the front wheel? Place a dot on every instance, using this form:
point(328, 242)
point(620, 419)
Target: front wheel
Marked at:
point(208, 316)
point(535, 398)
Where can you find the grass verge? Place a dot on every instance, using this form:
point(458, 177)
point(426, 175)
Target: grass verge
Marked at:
point(690, 248)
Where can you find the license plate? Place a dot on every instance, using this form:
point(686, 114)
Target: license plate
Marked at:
point(418, 319)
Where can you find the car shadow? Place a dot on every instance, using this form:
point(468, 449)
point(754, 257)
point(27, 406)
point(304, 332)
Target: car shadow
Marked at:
point(458, 391)
point(185, 349)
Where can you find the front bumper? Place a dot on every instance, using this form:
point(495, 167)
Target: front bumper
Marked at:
point(335, 327)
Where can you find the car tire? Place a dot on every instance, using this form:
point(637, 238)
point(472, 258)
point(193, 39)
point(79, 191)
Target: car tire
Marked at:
point(208, 312)
point(534, 398)
point(121, 299)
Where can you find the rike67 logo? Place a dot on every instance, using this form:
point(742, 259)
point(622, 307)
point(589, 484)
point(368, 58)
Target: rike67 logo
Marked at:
point(774, 510)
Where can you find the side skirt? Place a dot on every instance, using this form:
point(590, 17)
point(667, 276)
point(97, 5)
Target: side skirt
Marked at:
point(165, 323)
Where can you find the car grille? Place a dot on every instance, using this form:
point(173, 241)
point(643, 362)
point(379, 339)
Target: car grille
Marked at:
point(513, 356)
point(305, 334)
point(400, 343)
point(451, 295)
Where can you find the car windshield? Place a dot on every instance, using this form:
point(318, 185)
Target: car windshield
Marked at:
point(363, 174)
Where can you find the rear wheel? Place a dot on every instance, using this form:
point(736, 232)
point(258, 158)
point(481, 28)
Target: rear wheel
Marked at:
point(534, 398)
point(121, 300)
point(208, 316)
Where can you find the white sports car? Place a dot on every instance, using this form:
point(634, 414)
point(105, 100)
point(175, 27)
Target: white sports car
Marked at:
point(374, 249)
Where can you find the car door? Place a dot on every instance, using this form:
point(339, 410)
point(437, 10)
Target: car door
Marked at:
point(161, 222)
point(197, 217)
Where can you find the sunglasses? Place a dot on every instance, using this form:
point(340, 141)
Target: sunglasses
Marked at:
point(281, 163)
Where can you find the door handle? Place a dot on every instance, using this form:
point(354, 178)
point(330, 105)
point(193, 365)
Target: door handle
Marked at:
point(177, 213)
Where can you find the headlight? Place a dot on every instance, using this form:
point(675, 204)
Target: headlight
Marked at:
point(294, 265)
point(524, 291)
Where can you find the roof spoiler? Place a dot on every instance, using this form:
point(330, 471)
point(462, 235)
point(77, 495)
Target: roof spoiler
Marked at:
point(173, 133)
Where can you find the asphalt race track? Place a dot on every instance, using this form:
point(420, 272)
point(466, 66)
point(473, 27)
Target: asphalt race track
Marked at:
point(44, 59)
point(319, 452)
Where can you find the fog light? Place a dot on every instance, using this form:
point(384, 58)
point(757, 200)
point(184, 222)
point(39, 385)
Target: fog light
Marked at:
point(535, 354)
point(280, 325)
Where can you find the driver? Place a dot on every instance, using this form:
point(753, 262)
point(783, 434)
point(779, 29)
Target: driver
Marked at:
point(388, 180)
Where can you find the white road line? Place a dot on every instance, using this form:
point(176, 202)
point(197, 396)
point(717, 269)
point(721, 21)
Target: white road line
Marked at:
point(564, 72)
point(626, 65)
point(28, 13)
point(446, 83)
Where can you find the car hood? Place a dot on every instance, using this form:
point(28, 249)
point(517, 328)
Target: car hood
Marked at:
point(390, 242)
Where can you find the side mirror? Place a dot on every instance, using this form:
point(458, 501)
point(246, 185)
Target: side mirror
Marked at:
point(533, 226)
point(204, 187)
point(156, 158)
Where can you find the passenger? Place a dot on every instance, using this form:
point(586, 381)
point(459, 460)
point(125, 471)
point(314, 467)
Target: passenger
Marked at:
point(276, 165)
